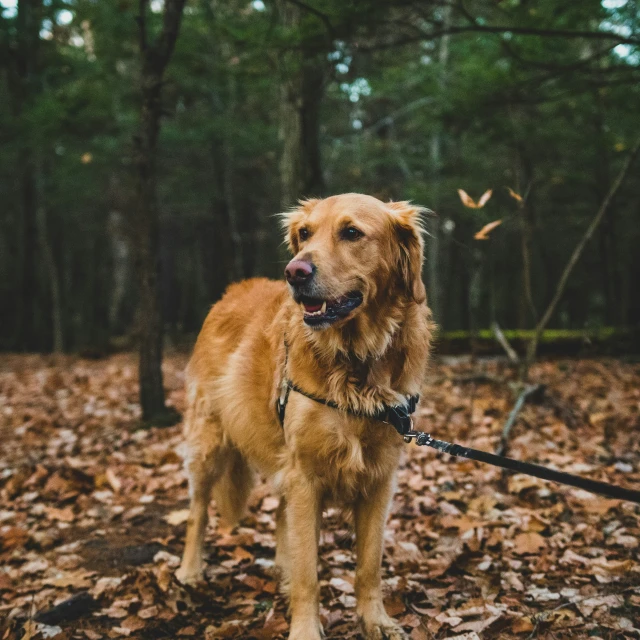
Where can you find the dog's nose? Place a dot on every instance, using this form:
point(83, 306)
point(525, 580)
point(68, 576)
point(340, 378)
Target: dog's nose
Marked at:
point(299, 271)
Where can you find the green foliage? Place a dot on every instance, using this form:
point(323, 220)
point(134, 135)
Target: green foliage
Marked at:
point(546, 115)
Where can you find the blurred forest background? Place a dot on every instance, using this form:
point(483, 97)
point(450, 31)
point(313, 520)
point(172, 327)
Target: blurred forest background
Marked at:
point(263, 102)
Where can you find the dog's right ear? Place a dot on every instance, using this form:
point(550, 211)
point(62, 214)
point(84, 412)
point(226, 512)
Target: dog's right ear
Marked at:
point(292, 219)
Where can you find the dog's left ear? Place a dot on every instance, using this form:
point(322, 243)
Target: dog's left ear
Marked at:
point(408, 228)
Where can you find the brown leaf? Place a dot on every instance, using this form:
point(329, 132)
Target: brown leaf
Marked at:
point(12, 538)
point(529, 543)
point(187, 631)
point(133, 623)
point(62, 515)
point(522, 625)
point(176, 518)
point(113, 480)
point(483, 233)
point(395, 607)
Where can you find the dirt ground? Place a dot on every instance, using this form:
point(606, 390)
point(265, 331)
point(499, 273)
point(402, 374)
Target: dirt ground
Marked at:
point(92, 514)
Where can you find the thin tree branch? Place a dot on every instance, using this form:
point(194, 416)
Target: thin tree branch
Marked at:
point(526, 393)
point(504, 343)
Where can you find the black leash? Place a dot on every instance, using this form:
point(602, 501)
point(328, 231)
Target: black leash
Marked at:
point(517, 466)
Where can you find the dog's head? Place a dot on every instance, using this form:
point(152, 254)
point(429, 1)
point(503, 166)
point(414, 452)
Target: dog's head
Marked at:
point(351, 253)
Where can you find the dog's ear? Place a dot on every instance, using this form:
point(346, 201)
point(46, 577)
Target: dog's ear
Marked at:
point(292, 219)
point(408, 235)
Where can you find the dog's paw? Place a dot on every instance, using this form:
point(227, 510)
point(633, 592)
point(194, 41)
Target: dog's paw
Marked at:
point(189, 576)
point(306, 631)
point(386, 630)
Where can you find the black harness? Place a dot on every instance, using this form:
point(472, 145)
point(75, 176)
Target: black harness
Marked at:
point(399, 416)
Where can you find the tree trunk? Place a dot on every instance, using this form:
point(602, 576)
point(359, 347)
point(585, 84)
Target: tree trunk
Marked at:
point(23, 85)
point(434, 262)
point(301, 92)
point(155, 58)
point(49, 260)
point(228, 168)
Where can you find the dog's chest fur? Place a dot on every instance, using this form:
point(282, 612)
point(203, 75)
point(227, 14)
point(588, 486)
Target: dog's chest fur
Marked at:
point(346, 455)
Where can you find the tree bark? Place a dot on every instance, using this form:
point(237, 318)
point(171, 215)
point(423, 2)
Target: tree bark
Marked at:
point(301, 90)
point(229, 170)
point(50, 263)
point(22, 80)
point(435, 271)
point(155, 58)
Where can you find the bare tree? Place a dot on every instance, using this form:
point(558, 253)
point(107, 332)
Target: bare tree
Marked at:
point(155, 57)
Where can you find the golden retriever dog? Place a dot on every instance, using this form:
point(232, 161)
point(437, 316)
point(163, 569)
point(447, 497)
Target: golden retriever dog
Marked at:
point(351, 327)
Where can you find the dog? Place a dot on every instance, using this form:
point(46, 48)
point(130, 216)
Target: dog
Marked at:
point(349, 332)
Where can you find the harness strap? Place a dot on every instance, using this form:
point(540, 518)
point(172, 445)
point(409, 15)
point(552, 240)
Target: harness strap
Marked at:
point(399, 416)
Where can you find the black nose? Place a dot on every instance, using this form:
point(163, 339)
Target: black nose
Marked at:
point(299, 271)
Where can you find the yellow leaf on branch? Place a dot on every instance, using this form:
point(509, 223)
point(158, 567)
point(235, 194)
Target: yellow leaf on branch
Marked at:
point(470, 203)
point(514, 195)
point(483, 234)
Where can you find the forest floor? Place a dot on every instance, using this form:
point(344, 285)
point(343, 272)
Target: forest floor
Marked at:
point(92, 514)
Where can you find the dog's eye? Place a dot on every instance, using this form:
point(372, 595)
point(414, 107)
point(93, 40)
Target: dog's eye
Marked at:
point(351, 233)
point(303, 234)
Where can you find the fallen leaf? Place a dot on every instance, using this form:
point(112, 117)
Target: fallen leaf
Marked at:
point(529, 543)
point(341, 585)
point(178, 517)
point(522, 625)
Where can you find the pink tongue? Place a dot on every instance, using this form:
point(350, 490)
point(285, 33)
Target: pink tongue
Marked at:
point(312, 308)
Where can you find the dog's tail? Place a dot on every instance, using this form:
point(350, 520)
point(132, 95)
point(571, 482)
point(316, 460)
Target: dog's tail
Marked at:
point(232, 490)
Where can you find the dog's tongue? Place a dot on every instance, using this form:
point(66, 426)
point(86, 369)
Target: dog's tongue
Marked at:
point(312, 308)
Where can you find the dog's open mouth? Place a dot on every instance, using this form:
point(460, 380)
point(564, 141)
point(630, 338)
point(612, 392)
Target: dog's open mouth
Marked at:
point(318, 311)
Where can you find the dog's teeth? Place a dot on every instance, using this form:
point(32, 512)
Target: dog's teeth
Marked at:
point(324, 307)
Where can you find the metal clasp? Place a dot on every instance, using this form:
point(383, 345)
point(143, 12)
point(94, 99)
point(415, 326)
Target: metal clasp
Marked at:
point(422, 438)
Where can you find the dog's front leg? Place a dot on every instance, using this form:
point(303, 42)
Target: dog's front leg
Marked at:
point(303, 504)
point(370, 516)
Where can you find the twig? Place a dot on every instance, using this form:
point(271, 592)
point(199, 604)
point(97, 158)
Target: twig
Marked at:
point(504, 343)
point(528, 391)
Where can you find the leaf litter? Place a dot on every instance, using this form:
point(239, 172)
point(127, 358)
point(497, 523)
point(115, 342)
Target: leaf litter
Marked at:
point(93, 512)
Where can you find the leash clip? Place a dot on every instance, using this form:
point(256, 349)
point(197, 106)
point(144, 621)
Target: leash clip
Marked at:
point(422, 439)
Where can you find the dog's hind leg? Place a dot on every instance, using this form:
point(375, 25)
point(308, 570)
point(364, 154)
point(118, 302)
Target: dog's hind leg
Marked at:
point(232, 490)
point(204, 457)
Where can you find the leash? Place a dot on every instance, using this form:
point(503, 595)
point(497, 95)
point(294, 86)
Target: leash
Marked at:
point(528, 468)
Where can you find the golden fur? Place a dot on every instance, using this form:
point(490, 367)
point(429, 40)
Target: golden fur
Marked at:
point(375, 356)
